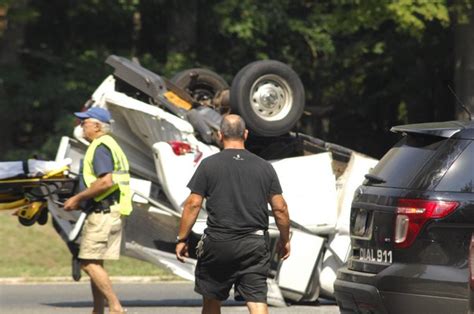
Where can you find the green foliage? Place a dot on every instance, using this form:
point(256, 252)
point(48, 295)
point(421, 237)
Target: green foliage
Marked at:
point(366, 65)
point(461, 9)
point(411, 16)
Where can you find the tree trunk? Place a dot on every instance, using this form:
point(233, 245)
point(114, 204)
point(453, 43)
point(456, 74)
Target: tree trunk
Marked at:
point(464, 66)
point(182, 26)
point(3, 19)
point(11, 41)
point(12, 33)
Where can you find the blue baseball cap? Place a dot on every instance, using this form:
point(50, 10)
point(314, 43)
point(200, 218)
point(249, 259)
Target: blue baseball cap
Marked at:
point(98, 113)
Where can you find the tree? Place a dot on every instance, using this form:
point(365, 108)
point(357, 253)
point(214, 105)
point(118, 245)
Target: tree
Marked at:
point(464, 63)
point(13, 17)
point(366, 65)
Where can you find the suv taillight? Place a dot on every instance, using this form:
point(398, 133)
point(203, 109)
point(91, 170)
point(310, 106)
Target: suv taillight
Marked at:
point(412, 214)
point(180, 148)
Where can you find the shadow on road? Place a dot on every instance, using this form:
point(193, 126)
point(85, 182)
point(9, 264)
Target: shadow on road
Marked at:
point(144, 303)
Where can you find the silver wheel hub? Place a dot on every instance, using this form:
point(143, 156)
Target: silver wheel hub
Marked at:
point(271, 98)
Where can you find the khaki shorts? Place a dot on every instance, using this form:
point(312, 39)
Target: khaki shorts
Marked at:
point(101, 236)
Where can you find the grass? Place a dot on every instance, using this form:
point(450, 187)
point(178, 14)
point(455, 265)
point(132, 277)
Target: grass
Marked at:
point(38, 251)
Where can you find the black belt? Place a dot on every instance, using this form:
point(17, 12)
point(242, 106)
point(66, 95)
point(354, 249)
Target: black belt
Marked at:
point(103, 206)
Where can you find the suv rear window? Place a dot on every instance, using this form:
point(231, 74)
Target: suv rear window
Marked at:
point(399, 166)
point(460, 176)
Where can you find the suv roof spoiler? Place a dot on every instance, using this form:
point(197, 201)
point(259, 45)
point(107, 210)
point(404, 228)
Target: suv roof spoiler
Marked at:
point(442, 129)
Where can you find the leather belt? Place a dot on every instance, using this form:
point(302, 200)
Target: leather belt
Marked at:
point(103, 206)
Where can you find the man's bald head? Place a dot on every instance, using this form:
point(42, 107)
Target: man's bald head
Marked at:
point(233, 127)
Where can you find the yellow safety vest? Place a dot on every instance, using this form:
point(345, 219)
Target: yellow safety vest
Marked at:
point(120, 175)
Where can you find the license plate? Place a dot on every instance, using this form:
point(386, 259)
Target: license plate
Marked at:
point(376, 255)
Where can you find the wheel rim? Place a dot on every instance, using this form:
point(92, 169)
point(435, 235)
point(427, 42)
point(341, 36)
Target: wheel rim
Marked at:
point(271, 98)
point(202, 92)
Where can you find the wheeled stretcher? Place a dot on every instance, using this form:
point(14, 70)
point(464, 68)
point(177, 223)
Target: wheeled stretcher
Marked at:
point(26, 192)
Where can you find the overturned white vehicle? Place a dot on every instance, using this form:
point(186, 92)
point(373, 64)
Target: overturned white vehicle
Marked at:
point(167, 127)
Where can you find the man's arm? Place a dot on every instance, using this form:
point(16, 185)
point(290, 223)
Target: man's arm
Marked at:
point(191, 209)
point(97, 187)
point(282, 219)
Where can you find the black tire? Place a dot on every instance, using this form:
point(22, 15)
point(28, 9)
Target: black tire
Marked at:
point(204, 88)
point(269, 96)
point(28, 222)
point(43, 216)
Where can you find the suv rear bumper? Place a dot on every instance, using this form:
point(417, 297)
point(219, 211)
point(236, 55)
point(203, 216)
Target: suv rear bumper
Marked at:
point(368, 297)
point(357, 292)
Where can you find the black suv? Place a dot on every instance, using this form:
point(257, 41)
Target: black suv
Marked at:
point(411, 225)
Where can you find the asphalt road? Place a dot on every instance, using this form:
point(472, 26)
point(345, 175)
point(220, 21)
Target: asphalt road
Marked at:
point(163, 297)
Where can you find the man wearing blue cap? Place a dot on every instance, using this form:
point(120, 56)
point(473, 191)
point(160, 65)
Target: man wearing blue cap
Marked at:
point(105, 193)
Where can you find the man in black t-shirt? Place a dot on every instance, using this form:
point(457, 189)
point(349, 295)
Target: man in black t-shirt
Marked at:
point(234, 249)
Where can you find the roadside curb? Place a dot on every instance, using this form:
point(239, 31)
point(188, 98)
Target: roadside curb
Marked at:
point(85, 279)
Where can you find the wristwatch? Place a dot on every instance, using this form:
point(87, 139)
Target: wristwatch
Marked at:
point(179, 240)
